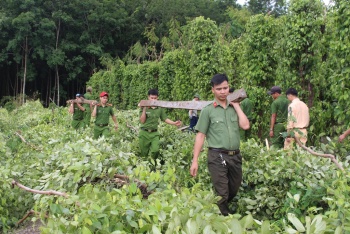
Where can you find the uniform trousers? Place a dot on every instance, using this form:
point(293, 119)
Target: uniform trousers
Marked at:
point(227, 178)
point(277, 139)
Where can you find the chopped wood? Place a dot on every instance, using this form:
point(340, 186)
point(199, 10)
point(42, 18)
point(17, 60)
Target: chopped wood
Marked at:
point(236, 96)
point(331, 156)
point(48, 192)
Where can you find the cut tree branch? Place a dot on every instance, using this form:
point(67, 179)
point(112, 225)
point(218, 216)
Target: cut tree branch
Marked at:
point(24, 141)
point(31, 212)
point(48, 192)
point(132, 127)
point(331, 156)
point(26, 216)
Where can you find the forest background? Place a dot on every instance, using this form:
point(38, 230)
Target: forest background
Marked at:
point(51, 50)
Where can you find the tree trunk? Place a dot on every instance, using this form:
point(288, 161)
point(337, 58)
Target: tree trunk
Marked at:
point(25, 68)
point(57, 74)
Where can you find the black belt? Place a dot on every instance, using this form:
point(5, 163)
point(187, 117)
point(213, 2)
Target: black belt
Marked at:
point(101, 125)
point(149, 130)
point(77, 119)
point(223, 151)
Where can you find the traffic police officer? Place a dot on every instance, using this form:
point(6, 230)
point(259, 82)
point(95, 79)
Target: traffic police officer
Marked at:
point(102, 111)
point(219, 123)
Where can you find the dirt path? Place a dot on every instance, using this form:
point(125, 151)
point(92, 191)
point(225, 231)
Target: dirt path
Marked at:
point(28, 227)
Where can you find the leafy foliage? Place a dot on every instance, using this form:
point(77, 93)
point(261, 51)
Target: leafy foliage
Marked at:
point(290, 191)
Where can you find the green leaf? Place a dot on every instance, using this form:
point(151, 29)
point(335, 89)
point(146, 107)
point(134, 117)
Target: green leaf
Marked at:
point(235, 226)
point(296, 222)
point(86, 230)
point(265, 227)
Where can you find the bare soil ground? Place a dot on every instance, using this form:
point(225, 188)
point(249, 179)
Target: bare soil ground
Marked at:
point(28, 227)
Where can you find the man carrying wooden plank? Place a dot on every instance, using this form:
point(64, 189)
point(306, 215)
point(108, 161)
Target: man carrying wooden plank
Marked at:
point(77, 110)
point(88, 106)
point(149, 136)
point(219, 123)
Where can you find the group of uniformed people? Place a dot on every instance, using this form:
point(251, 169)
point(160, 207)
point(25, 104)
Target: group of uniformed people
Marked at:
point(288, 114)
point(223, 124)
point(82, 113)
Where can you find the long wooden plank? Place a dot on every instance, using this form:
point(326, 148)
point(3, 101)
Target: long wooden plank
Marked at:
point(236, 96)
point(82, 101)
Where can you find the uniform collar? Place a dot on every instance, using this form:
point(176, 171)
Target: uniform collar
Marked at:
point(216, 103)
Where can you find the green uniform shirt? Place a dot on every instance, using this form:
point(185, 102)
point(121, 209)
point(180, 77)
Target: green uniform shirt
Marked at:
point(152, 117)
point(220, 126)
point(280, 107)
point(87, 96)
point(247, 108)
point(78, 114)
point(103, 113)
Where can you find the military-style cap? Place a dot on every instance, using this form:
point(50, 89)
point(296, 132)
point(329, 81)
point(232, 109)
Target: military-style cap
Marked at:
point(274, 89)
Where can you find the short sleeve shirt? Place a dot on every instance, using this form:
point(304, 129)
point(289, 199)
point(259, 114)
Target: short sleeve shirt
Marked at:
point(280, 108)
point(103, 113)
point(247, 108)
point(220, 126)
point(78, 114)
point(298, 115)
point(152, 117)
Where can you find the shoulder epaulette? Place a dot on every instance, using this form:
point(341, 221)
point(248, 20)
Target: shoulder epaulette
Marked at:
point(108, 104)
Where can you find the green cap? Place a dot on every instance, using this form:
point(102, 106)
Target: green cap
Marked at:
point(196, 95)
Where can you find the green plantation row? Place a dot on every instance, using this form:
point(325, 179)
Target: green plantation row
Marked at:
point(112, 190)
point(308, 49)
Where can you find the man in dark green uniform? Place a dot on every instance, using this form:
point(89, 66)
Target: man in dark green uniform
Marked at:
point(279, 115)
point(149, 136)
point(88, 107)
point(219, 122)
point(78, 113)
point(102, 111)
point(247, 108)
